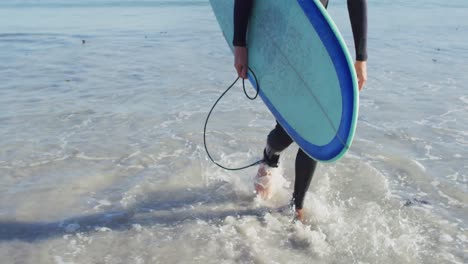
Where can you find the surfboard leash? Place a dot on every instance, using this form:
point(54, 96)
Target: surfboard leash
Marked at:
point(211, 110)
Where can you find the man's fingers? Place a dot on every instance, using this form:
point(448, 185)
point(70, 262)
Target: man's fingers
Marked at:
point(361, 81)
point(238, 69)
point(241, 61)
point(361, 72)
point(244, 72)
point(241, 71)
point(361, 84)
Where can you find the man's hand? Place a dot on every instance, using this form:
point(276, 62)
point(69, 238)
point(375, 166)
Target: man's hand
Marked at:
point(361, 72)
point(241, 62)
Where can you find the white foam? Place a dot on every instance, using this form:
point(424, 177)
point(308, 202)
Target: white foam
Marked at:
point(435, 183)
point(128, 199)
point(137, 227)
point(273, 222)
point(450, 200)
point(70, 228)
point(81, 155)
point(59, 260)
point(445, 238)
point(138, 260)
point(428, 153)
point(103, 229)
point(453, 177)
point(366, 218)
point(316, 239)
point(453, 111)
point(136, 153)
point(102, 203)
point(464, 99)
point(462, 238)
point(419, 165)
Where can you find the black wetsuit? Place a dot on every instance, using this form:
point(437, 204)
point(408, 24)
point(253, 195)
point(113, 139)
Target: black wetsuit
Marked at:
point(278, 139)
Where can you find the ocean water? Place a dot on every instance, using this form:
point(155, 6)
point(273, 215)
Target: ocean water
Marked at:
point(102, 106)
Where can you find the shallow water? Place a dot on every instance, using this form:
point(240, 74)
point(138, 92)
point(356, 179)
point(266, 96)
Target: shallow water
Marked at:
point(101, 148)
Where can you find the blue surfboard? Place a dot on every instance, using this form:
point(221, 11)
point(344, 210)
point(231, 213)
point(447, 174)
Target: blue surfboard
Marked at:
point(304, 70)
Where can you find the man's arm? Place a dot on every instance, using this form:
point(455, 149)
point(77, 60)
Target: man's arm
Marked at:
point(358, 15)
point(242, 9)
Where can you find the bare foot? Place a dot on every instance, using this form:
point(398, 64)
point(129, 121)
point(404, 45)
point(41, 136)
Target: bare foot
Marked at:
point(300, 215)
point(263, 182)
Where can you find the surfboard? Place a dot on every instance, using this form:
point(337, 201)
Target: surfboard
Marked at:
point(304, 70)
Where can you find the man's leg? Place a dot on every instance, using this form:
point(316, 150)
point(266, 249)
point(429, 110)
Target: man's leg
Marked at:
point(305, 167)
point(277, 141)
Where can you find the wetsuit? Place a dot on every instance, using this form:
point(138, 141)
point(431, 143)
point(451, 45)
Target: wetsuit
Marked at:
point(278, 139)
point(357, 13)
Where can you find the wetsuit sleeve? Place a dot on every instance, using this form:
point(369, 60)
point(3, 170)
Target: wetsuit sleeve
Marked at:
point(242, 9)
point(358, 15)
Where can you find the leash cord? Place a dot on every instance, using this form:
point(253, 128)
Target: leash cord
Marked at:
point(211, 110)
